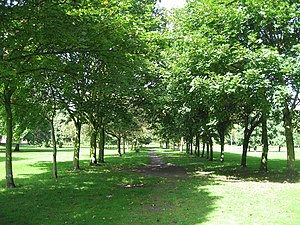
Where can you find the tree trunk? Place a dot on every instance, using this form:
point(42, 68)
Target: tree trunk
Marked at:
point(288, 127)
point(245, 147)
point(207, 149)
point(161, 144)
point(203, 149)
point(181, 144)
point(102, 144)
point(264, 157)
point(9, 136)
point(17, 148)
point(222, 142)
point(198, 144)
point(167, 144)
point(119, 145)
point(124, 145)
point(191, 144)
point(53, 139)
point(245, 142)
point(211, 155)
point(93, 148)
point(255, 121)
point(187, 146)
point(77, 146)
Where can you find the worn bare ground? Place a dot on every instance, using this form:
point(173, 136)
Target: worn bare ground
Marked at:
point(158, 168)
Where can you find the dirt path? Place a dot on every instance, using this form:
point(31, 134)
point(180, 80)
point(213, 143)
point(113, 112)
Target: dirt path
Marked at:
point(159, 168)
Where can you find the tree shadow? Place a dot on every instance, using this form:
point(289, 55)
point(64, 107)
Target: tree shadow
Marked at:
point(15, 158)
point(25, 150)
point(232, 170)
point(111, 193)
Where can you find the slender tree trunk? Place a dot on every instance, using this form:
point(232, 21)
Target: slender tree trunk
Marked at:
point(198, 144)
point(93, 148)
point(222, 142)
point(181, 144)
point(124, 145)
point(245, 148)
point(119, 145)
point(161, 144)
point(17, 148)
point(264, 157)
point(288, 127)
point(77, 146)
point(245, 142)
point(9, 136)
point(53, 139)
point(167, 144)
point(207, 149)
point(191, 143)
point(255, 121)
point(203, 148)
point(102, 144)
point(135, 143)
point(211, 155)
point(187, 146)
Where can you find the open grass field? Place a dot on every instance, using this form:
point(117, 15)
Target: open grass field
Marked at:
point(118, 193)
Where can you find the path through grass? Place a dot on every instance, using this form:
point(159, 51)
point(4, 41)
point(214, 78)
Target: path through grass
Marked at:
point(116, 193)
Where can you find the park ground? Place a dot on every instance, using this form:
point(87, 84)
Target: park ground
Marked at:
point(153, 186)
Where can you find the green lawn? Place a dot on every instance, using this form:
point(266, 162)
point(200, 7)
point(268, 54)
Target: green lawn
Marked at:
point(115, 193)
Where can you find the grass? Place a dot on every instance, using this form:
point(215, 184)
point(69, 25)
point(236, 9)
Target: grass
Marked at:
point(114, 193)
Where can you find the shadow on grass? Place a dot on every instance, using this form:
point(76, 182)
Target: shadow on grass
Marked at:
point(2, 159)
point(24, 150)
point(231, 168)
point(107, 194)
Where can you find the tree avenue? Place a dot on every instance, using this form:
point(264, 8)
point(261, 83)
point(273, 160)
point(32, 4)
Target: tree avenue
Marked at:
point(236, 57)
point(39, 40)
point(193, 73)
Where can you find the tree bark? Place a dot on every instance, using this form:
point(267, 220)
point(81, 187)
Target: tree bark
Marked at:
point(203, 148)
point(181, 144)
point(211, 155)
point(245, 141)
point(167, 144)
point(187, 146)
point(53, 139)
point(9, 137)
point(119, 145)
point(255, 121)
point(198, 144)
point(191, 145)
point(207, 149)
point(102, 144)
point(245, 147)
point(264, 157)
point(93, 148)
point(288, 127)
point(17, 148)
point(77, 145)
point(222, 142)
point(124, 145)
point(222, 126)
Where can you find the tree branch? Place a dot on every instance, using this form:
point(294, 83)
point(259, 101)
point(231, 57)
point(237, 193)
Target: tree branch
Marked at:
point(296, 100)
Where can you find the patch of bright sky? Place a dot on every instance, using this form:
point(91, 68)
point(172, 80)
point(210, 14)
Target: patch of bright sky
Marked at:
point(169, 4)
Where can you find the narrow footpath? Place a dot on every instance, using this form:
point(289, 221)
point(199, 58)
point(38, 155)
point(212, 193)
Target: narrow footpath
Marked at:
point(159, 168)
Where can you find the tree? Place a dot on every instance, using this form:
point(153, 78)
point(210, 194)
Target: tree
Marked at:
point(28, 29)
point(221, 38)
point(276, 27)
